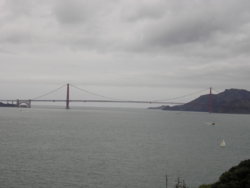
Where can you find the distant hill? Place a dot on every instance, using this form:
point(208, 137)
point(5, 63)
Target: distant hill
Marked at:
point(229, 101)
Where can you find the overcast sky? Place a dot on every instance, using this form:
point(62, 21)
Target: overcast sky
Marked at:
point(133, 49)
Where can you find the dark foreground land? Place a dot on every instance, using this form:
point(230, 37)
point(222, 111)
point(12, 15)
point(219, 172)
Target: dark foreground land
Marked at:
point(236, 177)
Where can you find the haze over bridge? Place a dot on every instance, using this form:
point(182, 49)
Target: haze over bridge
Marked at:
point(27, 102)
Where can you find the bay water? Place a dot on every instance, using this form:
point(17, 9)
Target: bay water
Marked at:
point(117, 147)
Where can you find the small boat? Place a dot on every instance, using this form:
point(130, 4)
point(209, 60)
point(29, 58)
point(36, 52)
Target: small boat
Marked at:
point(223, 143)
point(210, 123)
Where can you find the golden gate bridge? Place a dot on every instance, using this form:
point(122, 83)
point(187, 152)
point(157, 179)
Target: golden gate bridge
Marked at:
point(27, 102)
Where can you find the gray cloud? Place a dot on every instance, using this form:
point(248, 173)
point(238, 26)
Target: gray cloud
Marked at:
point(71, 12)
point(134, 11)
point(199, 24)
point(16, 37)
point(19, 7)
point(173, 43)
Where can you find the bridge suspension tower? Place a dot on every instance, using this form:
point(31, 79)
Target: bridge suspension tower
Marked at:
point(67, 97)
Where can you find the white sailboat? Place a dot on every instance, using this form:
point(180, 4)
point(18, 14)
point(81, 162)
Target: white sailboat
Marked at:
point(223, 143)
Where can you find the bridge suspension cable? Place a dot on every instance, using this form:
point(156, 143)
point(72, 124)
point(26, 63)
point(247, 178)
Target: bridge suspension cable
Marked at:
point(48, 93)
point(217, 91)
point(92, 93)
point(182, 96)
point(115, 99)
point(157, 100)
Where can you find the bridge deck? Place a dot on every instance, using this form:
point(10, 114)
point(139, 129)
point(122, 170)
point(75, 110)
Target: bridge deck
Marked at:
point(98, 101)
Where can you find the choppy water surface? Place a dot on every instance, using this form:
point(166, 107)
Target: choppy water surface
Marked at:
point(117, 148)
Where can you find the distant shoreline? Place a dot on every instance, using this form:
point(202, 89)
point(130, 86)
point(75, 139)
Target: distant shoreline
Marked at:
point(7, 105)
point(231, 101)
